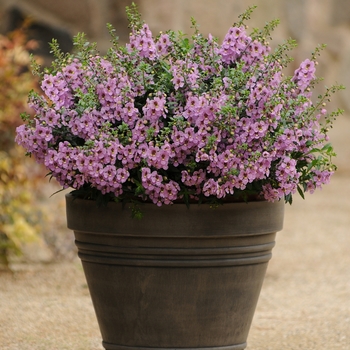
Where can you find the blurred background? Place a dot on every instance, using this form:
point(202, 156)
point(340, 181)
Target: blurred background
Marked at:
point(28, 230)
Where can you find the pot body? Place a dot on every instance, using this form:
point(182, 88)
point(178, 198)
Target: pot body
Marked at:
point(179, 277)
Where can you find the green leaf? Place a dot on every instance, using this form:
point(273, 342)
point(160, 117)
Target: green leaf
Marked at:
point(301, 192)
point(288, 198)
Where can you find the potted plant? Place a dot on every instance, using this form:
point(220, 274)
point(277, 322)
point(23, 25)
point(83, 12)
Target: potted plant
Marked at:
point(181, 154)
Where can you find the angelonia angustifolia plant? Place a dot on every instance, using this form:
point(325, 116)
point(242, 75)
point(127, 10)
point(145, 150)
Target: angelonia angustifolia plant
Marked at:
point(169, 118)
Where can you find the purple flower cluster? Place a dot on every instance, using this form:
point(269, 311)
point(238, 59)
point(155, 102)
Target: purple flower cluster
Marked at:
point(163, 119)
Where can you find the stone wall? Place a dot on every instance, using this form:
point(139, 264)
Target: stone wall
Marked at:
point(311, 22)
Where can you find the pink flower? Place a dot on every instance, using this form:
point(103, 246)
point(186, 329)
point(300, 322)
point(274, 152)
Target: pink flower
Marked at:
point(164, 117)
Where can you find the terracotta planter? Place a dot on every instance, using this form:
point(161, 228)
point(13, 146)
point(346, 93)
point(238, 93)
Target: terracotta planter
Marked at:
point(178, 278)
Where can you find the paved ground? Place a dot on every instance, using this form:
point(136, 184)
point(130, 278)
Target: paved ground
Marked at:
point(304, 304)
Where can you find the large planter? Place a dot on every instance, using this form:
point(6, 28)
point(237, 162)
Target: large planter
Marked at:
point(179, 277)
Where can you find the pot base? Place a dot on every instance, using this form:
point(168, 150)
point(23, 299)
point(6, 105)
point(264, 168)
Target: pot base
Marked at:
point(109, 346)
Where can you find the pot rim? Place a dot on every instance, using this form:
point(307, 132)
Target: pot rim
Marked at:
point(176, 220)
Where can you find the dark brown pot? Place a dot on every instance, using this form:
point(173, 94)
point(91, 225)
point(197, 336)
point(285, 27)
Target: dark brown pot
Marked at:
point(179, 277)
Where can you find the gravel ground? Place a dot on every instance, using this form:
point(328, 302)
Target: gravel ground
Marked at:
point(304, 303)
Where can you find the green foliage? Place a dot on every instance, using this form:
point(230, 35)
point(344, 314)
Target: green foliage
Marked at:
point(134, 16)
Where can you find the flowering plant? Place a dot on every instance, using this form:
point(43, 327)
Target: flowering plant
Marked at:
point(167, 118)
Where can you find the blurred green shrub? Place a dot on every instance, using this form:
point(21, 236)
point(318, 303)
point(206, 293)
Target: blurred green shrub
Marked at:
point(20, 215)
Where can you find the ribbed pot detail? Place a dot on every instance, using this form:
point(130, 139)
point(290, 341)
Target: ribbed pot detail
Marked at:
point(178, 278)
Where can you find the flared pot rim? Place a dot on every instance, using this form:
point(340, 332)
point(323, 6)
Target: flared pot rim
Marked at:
point(176, 220)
